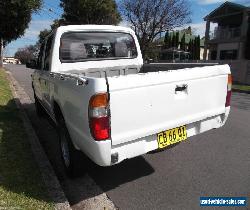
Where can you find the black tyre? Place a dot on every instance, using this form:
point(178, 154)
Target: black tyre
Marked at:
point(71, 157)
point(39, 108)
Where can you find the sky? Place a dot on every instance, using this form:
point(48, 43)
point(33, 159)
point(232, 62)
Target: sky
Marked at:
point(51, 10)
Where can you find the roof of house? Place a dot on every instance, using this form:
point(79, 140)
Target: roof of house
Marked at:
point(231, 8)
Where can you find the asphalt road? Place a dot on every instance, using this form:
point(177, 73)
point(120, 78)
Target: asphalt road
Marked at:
point(216, 163)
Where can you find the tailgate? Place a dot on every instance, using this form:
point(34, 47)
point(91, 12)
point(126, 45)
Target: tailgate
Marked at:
point(145, 104)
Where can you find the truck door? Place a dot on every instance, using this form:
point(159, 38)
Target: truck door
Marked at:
point(46, 75)
point(37, 74)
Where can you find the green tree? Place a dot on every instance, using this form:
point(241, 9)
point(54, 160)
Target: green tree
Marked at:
point(166, 40)
point(173, 39)
point(191, 49)
point(198, 47)
point(183, 42)
point(189, 30)
point(27, 53)
point(42, 35)
point(170, 41)
point(56, 23)
point(194, 48)
point(177, 40)
point(15, 17)
point(90, 12)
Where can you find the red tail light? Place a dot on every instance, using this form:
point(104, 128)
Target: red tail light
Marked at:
point(99, 121)
point(229, 90)
point(228, 99)
point(100, 128)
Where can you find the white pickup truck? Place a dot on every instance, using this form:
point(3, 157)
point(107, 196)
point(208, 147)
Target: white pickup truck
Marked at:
point(92, 82)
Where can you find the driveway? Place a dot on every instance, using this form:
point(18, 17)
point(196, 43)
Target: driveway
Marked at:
point(216, 163)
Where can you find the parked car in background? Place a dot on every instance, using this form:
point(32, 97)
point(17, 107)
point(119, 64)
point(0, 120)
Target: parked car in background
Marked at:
point(11, 60)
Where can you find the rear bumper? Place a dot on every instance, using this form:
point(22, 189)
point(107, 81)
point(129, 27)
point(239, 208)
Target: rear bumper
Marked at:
point(104, 154)
point(149, 143)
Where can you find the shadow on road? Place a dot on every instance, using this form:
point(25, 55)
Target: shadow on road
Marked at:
point(111, 177)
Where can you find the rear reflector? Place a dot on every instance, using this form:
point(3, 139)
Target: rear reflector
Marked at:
point(229, 82)
point(100, 128)
point(228, 99)
point(229, 90)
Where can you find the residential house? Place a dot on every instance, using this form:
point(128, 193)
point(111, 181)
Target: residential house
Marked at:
point(227, 43)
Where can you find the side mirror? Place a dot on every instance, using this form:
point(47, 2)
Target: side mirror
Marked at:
point(31, 64)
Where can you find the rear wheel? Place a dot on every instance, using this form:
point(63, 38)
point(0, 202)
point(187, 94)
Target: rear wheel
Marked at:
point(71, 158)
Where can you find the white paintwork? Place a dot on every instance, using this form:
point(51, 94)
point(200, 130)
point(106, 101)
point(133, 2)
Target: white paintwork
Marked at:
point(149, 143)
point(153, 96)
point(141, 105)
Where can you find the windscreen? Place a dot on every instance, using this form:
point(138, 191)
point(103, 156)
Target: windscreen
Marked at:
point(84, 46)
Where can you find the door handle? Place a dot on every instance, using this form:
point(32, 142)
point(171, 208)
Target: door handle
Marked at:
point(180, 88)
point(62, 77)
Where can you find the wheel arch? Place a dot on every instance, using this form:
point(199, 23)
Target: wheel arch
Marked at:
point(58, 113)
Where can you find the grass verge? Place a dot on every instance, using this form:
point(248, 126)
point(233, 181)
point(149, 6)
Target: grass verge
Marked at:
point(21, 185)
point(242, 87)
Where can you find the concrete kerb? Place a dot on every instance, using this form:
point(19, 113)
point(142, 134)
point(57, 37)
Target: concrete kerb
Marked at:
point(53, 186)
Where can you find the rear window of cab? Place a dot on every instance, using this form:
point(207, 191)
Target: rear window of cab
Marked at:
point(86, 46)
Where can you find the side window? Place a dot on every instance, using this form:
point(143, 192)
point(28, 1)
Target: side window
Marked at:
point(47, 54)
point(40, 57)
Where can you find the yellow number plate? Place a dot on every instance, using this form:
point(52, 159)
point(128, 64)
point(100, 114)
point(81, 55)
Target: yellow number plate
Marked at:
point(171, 136)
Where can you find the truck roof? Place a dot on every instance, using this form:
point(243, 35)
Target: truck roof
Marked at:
point(63, 29)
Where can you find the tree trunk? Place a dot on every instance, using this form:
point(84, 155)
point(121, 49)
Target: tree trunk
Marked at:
point(1, 53)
